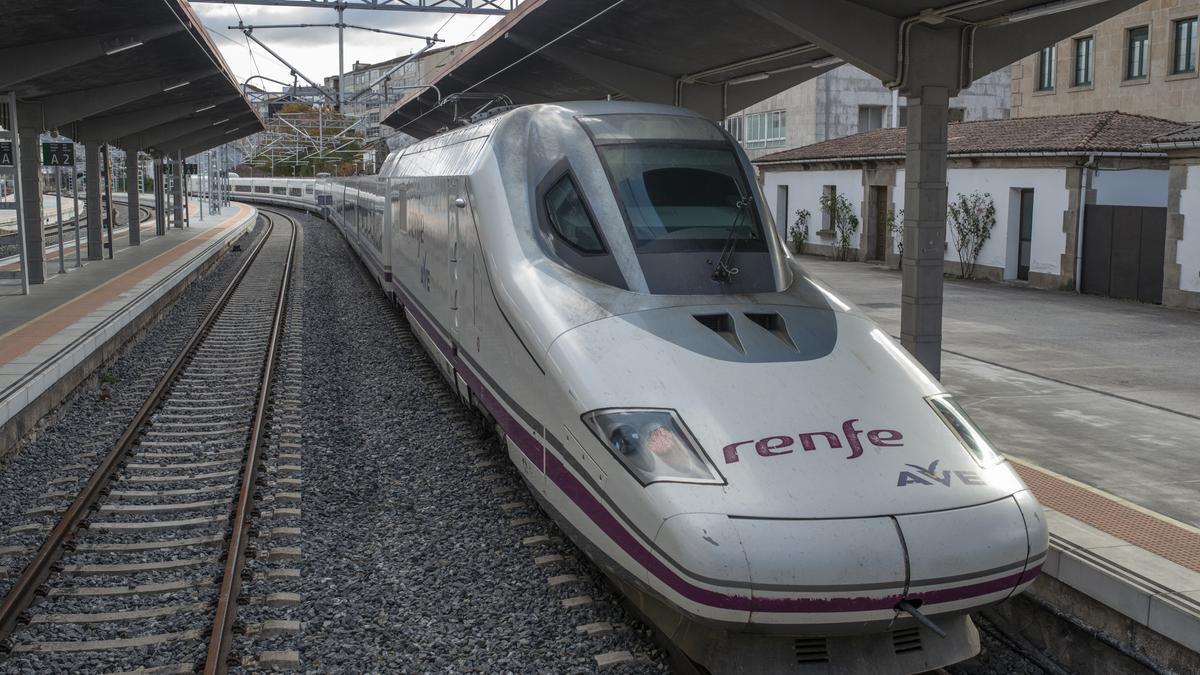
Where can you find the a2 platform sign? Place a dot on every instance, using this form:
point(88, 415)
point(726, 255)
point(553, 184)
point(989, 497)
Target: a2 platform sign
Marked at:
point(6, 153)
point(58, 154)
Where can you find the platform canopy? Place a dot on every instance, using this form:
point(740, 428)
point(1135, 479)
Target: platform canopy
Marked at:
point(720, 56)
point(140, 74)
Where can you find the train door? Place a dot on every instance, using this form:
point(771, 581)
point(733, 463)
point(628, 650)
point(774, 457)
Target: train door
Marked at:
point(455, 207)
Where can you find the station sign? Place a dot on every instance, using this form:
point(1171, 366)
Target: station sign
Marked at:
point(189, 168)
point(58, 154)
point(6, 153)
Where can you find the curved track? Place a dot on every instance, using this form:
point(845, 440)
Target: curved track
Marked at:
point(136, 560)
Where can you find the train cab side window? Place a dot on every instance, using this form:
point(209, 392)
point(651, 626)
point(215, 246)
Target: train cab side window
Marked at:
point(569, 217)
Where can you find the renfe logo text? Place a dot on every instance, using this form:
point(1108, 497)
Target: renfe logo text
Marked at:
point(773, 446)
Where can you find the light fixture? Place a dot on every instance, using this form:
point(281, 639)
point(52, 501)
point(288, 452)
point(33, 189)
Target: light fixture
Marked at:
point(753, 77)
point(821, 63)
point(177, 86)
point(116, 47)
point(1049, 8)
point(221, 122)
point(210, 106)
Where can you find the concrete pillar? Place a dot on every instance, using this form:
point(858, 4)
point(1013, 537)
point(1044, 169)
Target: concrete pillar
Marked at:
point(95, 230)
point(925, 226)
point(132, 186)
point(31, 191)
point(177, 189)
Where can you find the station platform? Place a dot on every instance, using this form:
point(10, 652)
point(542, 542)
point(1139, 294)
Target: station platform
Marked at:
point(51, 339)
point(1096, 402)
point(10, 262)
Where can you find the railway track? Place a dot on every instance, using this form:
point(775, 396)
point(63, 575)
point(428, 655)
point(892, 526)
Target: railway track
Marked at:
point(143, 568)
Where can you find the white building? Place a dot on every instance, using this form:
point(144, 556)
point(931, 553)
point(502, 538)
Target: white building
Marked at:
point(1037, 172)
point(847, 101)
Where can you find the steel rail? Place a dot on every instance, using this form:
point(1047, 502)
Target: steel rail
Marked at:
point(221, 640)
point(22, 594)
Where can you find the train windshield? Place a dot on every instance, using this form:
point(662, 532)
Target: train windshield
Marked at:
point(679, 183)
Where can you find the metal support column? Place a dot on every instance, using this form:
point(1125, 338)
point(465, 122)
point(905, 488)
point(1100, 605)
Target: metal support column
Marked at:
point(925, 226)
point(11, 102)
point(160, 199)
point(177, 188)
point(341, 97)
point(27, 134)
point(107, 201)
point(75, 174)
point(58, 188)
point(132, 186)
point(95, 233)
point(187, 194)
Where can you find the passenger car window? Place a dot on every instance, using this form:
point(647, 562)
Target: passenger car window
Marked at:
point(570, 218)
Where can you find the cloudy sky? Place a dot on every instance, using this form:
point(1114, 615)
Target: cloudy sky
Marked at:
point(314, 50)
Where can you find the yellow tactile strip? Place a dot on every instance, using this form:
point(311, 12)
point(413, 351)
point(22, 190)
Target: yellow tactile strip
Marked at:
point(1157, 535)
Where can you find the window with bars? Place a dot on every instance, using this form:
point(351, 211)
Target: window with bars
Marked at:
point(1137, 48)
point(766, 129)
point(734, 126)
point(1184, 50)
point(871, 117)
point(1046, 59)
point(1083, 62)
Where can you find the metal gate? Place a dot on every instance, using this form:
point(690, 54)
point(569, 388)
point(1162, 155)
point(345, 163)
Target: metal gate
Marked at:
point(1123, 250)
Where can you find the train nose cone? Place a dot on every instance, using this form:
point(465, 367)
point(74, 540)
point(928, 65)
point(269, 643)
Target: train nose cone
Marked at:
point(835, 576)
point(963, 558)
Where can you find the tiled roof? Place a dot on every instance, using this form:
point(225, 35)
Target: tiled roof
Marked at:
point(1088, 132)
point(1187, 135)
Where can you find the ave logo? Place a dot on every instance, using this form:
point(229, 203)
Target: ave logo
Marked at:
point(930, 475)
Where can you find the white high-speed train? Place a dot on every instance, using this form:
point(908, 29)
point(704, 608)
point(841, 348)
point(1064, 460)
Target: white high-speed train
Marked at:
point(764, 473)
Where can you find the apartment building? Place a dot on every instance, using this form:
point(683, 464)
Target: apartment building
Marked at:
point(1141, 61)
point(847, 101)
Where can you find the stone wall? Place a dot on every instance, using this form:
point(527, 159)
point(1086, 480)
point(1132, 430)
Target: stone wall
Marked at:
point(1161, 94)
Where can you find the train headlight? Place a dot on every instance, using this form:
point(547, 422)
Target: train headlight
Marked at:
point(653, 444)
point(964, 429)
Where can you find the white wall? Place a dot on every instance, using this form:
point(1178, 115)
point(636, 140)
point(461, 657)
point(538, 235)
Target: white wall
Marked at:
point(1187, 253)
point(804, 192)
point(1050, 199)
point(1134, 187)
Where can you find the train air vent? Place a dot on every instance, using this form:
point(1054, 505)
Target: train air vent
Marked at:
point(721, 324)
point(906, 640)
point(773, 324)
point(811, 650)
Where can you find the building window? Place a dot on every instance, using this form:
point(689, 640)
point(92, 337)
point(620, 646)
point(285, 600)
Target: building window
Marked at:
point(734, 126)
point(1046, 59)
point(1137, 44)
point(871, 117)
point(1184, 60)
point(830, 192)
point(957, 115)
point(1083, 62)
point(766, 130)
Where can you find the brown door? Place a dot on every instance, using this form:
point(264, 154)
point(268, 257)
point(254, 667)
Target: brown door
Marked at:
point(879, 199)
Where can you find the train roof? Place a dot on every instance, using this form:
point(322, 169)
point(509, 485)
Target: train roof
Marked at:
point(455, 152)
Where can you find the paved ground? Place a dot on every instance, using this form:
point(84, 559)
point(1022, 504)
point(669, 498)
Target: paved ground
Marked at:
point(1103, 391)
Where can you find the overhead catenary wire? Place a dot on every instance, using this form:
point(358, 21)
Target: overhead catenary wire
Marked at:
point(516, 63)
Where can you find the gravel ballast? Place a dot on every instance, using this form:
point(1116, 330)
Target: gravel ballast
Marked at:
point(409, 562)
